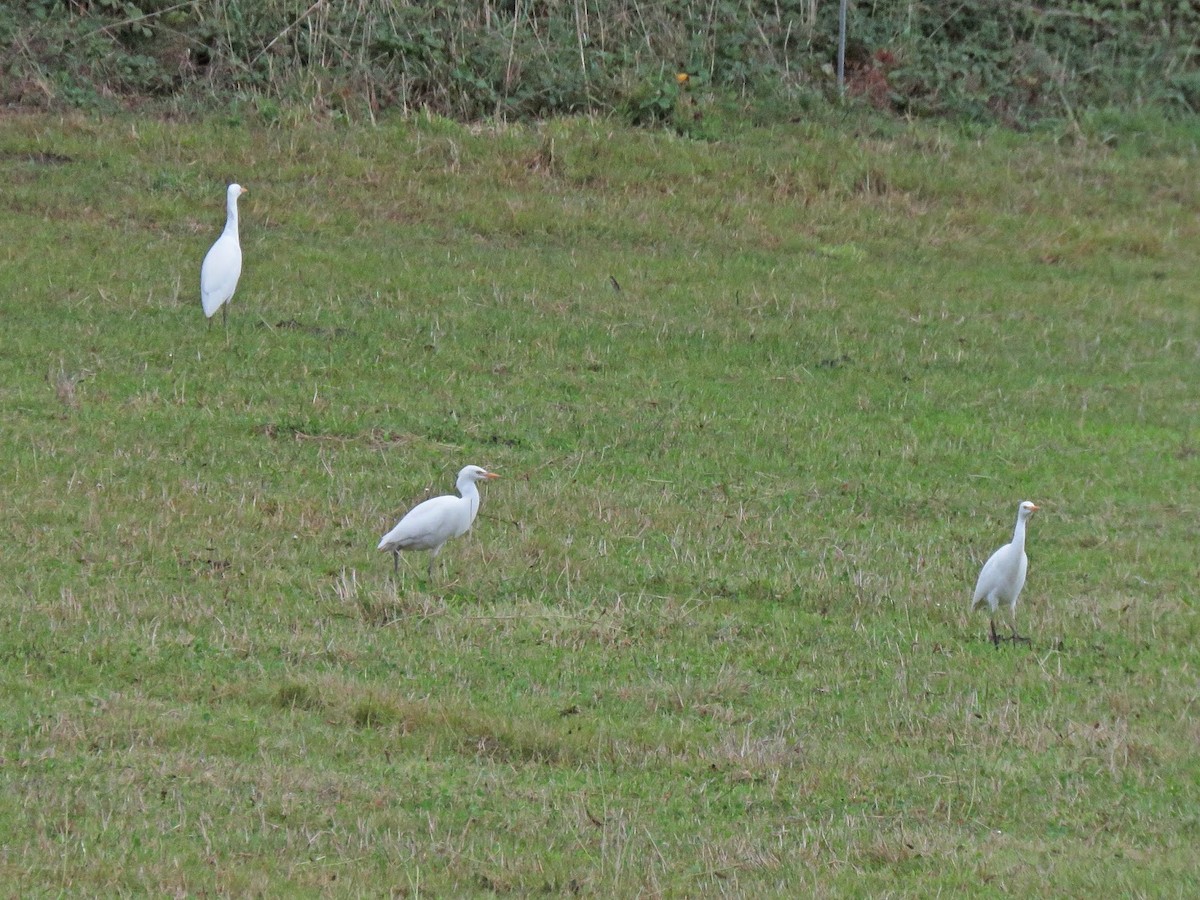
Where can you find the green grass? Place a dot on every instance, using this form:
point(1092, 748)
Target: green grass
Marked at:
point(709, 635)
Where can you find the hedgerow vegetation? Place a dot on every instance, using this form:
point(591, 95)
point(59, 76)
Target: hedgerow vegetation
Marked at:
point(1012, 63)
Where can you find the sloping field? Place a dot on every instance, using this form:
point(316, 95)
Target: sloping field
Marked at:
point(761, 409)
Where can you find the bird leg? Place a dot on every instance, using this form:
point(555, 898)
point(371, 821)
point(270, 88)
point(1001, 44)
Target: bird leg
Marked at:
point(225, 315)
point(432, 557)
point(396, 563)
point(1012, 623)
point(995, 637)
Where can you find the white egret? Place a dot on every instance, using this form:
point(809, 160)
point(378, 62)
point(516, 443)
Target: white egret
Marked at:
point(223, 263)
point(1003, 576)
point(428, 525)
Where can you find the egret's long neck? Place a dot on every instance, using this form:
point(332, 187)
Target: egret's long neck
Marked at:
point(470, 493)
point(1019, 533)
point(231, 218)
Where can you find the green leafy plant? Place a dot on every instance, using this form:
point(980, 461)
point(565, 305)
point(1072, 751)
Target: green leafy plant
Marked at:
point(1012, 63)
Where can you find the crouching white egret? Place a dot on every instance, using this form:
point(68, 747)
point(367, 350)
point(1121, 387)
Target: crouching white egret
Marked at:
point(1003, 576)
point(428, 525)
point(223, 263)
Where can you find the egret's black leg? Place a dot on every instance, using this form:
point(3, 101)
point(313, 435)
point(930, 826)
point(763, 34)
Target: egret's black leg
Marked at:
point(1012, 624)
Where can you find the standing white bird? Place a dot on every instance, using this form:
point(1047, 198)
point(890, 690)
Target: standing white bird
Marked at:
point(1003, 576)
point(428, 525)
point(223, 264)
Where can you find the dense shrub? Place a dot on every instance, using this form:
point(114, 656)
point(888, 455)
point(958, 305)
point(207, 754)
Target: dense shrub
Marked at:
point(989, 59)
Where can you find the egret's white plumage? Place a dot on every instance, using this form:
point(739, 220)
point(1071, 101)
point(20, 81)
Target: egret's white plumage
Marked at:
point(223, 263)
point(428, 525)
point(1003, 576)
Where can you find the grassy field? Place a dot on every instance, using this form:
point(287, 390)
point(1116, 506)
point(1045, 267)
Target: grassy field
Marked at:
point(709, 635)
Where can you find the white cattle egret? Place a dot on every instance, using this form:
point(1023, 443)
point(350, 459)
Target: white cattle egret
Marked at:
point(1003, 576)
point(428, 525)
point(223, 264)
